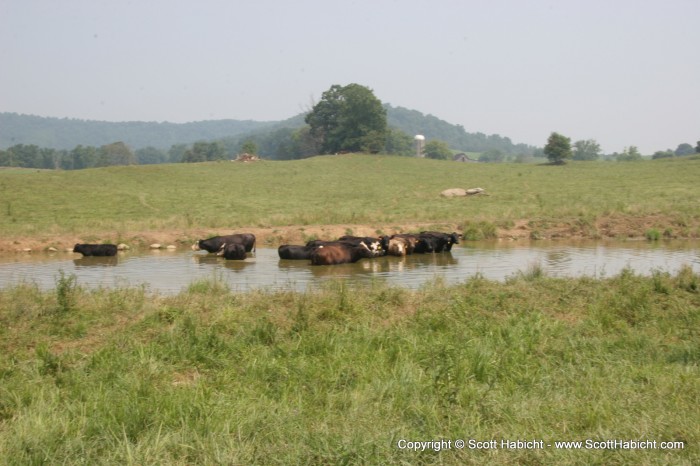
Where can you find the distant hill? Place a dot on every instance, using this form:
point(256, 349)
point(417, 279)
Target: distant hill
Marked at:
point(413, 122)
point(66, 133)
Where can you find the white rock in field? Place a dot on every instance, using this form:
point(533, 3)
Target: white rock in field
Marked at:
point(52, 249)
point(170, 247)
point(122, 247)
point(155, 246)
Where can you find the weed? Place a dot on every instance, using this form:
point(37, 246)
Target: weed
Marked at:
point(652, 234)
point(476, 231)
point(66, 292)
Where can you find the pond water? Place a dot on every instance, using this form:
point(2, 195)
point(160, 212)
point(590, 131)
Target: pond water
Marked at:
point(169, 272)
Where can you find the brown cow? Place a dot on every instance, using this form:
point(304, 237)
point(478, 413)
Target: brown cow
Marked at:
point(333, 254)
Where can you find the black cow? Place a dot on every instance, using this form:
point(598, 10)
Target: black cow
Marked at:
point(96, 249)
point(233, 251)
point(294, 252)
point(214, 244)
point(340, 253)
point(443, 241)
point(425, 244)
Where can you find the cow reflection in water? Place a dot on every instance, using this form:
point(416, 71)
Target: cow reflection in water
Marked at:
point(96, 261)
point(218, 261)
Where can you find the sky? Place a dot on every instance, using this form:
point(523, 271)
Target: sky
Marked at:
point(621, 72)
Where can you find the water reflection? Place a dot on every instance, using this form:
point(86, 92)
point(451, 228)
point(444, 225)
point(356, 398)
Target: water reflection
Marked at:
point(170, 272)
point(96, 261)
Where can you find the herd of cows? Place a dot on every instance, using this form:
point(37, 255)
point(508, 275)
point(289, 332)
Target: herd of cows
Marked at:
point(346, 249)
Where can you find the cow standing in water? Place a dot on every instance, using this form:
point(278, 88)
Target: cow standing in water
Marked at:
point(247, 240)
point(96, 249)
point(233, 251)
point(294, 252)
point(340, 253)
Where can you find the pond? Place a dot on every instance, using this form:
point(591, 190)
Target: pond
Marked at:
point(169, 272)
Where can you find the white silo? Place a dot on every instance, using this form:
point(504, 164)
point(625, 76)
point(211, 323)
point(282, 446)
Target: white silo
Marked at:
point(419, 141)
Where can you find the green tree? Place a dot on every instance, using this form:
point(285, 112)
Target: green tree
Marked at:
point(437, 150)
point(661, 154)
point(176, 153)
point(399, 143)
point(25, 155)
point(150, 155)
point(348, 118)
point(684, 149)
point(586, 150)
point(249, 147)
point(492, 155)
point(630, 154)
point(205, 152)
point(116, 153)
point(558, 148)
point(697, 148)
point(81, 157)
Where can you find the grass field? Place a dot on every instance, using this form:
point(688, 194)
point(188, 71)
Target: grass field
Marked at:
point(342, 375)
point(584, 199)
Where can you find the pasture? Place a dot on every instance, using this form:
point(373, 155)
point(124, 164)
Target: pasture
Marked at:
point(342, 375)
point(588, 199)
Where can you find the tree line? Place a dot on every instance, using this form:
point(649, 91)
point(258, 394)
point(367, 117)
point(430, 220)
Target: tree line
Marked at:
point(346, 119)
point(559, 149)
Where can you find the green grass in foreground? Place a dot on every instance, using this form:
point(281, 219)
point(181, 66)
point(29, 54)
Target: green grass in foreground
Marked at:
point(356, 189)
point(339, 376)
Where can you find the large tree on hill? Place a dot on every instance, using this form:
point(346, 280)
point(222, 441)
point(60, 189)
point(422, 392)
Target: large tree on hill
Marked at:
point(348, 118)
point(558, 148)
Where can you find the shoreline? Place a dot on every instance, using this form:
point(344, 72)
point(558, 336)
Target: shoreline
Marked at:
point(650, 227)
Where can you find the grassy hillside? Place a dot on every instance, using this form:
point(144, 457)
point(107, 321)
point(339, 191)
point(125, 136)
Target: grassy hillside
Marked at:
point(587, 198)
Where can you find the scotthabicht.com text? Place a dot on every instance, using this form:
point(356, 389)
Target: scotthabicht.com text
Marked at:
point(536, 444)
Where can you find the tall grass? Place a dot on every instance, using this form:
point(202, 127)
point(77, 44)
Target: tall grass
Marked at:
point(340, 375)
point(357, 189)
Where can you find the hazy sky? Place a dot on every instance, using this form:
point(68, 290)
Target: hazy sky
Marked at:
point(622, 72)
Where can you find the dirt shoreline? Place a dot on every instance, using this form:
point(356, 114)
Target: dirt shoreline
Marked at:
point(611, 227)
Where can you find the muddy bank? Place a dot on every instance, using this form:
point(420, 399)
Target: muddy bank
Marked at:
point(611, 227)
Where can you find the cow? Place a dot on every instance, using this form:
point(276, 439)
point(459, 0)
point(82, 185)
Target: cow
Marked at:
point(232, 251)
point(294, 252)
point(425, 244)
point(214, 244)
point(339, 253)
point(410, 242)
point(96, 249)
point(443, 241)
point(373, 244)
point(376, 245)
point(397, 247)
